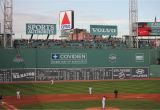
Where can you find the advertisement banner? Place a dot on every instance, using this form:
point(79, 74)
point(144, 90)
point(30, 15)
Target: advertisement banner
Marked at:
point(66, 20)
point(5, 75)
point(112, 58)
point(23, 74)
point(103, 30)
point(122, 73)
point(140, 73)
point(139, 57)
point(68, 58)
point(41, 29)
point(149, 29)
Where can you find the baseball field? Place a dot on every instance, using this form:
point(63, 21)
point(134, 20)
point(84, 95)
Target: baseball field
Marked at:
point(133, 94)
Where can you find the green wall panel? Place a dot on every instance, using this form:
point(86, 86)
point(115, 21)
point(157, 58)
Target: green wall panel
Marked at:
point(41, 58)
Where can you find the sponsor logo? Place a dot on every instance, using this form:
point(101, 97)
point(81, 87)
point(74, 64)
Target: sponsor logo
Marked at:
point(65, 26)
point(68, 58)
point(55, 56)
point(112, 58)
point(140, 71)
point(139, 57)
point(41, 29)
point(23, 75)
point(65, 22)
point(104, 30)
point(18, 59)
point(122, 75)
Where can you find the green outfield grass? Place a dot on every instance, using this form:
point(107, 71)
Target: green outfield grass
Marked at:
point(127, 86)
point(82, 105)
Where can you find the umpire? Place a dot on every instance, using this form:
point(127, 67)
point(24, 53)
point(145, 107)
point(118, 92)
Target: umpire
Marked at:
point(1, 97)
point(115, 93)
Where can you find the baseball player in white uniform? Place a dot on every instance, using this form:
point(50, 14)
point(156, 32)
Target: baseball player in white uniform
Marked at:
point(103, 102)
point(18, 94)
point(90, 90)
point(52, 82)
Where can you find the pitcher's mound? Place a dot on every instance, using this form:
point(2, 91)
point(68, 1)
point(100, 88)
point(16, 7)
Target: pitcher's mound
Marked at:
point(108, 108)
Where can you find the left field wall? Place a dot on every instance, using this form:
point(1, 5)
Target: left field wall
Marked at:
point(34, 64)
point(44, 58)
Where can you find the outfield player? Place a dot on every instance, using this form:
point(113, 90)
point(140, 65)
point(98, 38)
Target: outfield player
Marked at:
point(103, 102)
point(52, 81)
point(90, 90)
point(18, 94)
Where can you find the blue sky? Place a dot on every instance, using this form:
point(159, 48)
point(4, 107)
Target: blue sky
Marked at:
point(87, 12)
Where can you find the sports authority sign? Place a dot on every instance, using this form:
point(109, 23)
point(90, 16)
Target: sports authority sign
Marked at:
point(66, 20)
point(41, 29)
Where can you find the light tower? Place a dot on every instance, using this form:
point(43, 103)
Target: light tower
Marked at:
point(133, 21)
point(8, 23)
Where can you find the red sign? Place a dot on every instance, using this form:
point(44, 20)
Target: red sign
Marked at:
point(65, 19)
point(143, 29)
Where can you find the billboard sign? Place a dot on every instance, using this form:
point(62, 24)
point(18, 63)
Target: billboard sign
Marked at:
point(66, 20)
point(23, 75)
point(41, 29)
point(103, 30)
point(140, 73)
point(68, 58)
point(149, 29)
point(139, 57)
point(122, 73)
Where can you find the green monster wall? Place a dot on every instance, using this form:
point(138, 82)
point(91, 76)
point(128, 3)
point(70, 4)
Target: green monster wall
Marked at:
point(43, 58)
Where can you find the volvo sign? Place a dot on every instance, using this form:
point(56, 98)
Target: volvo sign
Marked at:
point(103, 30)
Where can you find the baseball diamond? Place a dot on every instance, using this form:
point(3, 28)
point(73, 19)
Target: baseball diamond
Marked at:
point(84, 57)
